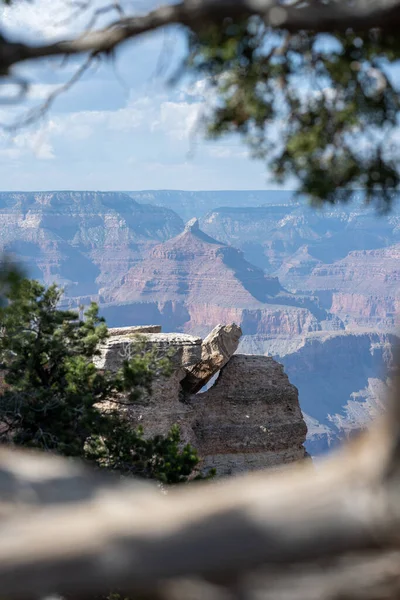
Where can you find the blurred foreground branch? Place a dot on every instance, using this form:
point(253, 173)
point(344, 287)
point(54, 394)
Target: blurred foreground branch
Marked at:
point(327, 17)
point(331, 532)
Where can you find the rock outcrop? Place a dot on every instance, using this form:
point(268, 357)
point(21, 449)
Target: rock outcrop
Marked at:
point(216, 350)
point(249, 419)
point(135, 330)
point(183, 350)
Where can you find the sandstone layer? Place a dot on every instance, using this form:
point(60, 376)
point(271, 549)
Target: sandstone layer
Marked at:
point(249, 419)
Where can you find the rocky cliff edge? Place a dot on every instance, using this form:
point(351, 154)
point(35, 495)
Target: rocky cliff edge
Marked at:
point(248, 419)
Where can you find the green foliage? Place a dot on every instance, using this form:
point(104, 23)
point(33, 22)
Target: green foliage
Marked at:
point(54, 398)
point(320, 110)
point(127, 451)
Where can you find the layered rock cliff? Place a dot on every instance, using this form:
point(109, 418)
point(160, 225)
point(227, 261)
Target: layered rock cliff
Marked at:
point(273, 233)
point(192, 282)
point(189, 203)
point(249, 419)
point(362, 289)
point(347, 256)
point(81, 240)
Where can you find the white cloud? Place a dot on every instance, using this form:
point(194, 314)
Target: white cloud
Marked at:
point(83, 124)
point(75, 126)
point(153, 116)
point(178, 119)
point(226, 152)
point(36, 143)
point(37, 18)
point(132, 116)
point(44, 150)
point(41, 91)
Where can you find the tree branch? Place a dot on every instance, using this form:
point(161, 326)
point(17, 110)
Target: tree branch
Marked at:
point(360, 15)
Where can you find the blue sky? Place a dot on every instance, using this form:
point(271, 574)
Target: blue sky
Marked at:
point(119, 128)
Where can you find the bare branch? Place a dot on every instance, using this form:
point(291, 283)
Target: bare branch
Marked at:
point(22, 88)
point(103, 10)
point(39, 111)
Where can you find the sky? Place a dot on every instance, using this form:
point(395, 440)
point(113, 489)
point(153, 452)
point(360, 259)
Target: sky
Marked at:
point(122, 127)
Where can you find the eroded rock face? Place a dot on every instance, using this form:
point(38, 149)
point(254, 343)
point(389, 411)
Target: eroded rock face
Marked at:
point(363, 289)
point(216, 350)
point(250, 419)
point(164, 407)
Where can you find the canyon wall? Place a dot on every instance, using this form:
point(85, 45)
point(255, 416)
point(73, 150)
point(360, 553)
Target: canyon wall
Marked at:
point(192, 282)
point(187, 204)
point(362, 289)
point(347, 256)
point(81, 240)
point(303, 284)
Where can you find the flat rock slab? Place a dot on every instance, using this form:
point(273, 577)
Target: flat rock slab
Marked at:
point(134, 330)
point(182, 349)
